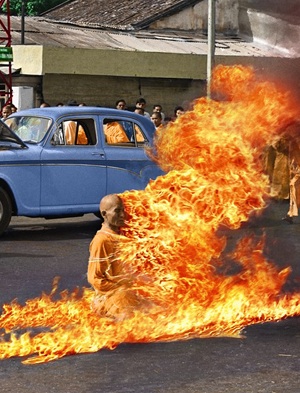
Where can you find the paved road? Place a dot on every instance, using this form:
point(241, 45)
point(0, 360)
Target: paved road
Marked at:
point(34, 251)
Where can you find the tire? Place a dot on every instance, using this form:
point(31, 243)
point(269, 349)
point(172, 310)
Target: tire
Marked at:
point(5, 210)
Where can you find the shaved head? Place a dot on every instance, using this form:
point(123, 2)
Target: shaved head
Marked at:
point(108, 201)
point(112, 211)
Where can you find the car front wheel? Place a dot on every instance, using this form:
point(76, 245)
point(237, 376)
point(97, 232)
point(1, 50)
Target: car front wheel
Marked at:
point(5, 210)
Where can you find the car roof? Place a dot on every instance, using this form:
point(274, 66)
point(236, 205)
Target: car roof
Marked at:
point(58, 111)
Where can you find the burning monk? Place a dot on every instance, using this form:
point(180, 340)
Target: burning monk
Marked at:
point(114, 296)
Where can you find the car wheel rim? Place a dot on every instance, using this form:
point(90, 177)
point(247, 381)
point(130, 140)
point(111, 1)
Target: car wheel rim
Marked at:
point(1, 211)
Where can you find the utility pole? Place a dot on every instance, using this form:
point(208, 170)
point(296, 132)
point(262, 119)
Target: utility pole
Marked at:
point(23, 13)
point(211, 22)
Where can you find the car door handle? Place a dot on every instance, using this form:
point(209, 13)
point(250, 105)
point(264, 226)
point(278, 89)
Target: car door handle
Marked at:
point(102, 155)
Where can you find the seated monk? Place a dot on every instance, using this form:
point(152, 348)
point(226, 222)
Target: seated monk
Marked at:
point(70, 128)
point(115, 133)
point(114, 296)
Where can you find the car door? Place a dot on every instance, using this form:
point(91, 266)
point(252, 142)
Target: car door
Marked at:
point(73, 168)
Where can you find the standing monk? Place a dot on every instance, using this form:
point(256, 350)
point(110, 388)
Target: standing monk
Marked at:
point(114, 296)
point(294, 155)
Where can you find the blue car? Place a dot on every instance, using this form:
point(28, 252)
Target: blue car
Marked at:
point(60, 161)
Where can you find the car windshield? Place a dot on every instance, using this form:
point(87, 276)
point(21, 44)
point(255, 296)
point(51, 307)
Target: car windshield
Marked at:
point(29, 128)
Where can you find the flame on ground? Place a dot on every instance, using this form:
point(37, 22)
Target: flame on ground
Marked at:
point(212, 156)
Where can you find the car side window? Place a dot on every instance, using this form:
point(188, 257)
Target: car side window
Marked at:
point(29, 128)
point(75, 132)
point(123, 133)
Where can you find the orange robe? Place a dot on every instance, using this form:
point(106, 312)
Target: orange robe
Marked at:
point(138, 134)
point(112, 298)
point(70, 134)
point(115, 133)
point(295, 177)
point(277, 168)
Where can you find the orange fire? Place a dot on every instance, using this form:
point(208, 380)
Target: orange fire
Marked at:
point(214, 179)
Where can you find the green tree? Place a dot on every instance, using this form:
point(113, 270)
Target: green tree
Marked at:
point(32, 7)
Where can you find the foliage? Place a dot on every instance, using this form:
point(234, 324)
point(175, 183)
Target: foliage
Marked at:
point(32, 7)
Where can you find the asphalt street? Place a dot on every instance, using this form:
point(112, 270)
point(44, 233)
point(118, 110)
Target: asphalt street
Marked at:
point(266, 360)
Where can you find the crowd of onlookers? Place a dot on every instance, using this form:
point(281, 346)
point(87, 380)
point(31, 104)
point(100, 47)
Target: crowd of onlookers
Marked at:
point(157, 116)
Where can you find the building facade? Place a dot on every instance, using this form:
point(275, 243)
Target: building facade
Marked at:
point(159, 53)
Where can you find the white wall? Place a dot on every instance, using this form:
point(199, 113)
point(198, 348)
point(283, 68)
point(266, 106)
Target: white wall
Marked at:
point(23, 97)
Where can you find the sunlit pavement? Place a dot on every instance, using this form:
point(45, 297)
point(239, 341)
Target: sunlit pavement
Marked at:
point(266, 360)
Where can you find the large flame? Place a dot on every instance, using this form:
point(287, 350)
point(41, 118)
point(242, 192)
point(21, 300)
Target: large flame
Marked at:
point(213, 159)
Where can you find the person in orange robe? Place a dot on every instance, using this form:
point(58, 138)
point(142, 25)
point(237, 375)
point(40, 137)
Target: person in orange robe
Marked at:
point(115, 133)
point(70, 133)
point(156, 119)
point(114, 296)
point(277, 168)
point(294, 157)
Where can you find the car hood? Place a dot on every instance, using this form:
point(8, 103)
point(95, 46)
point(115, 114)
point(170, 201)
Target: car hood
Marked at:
point(7, 135)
